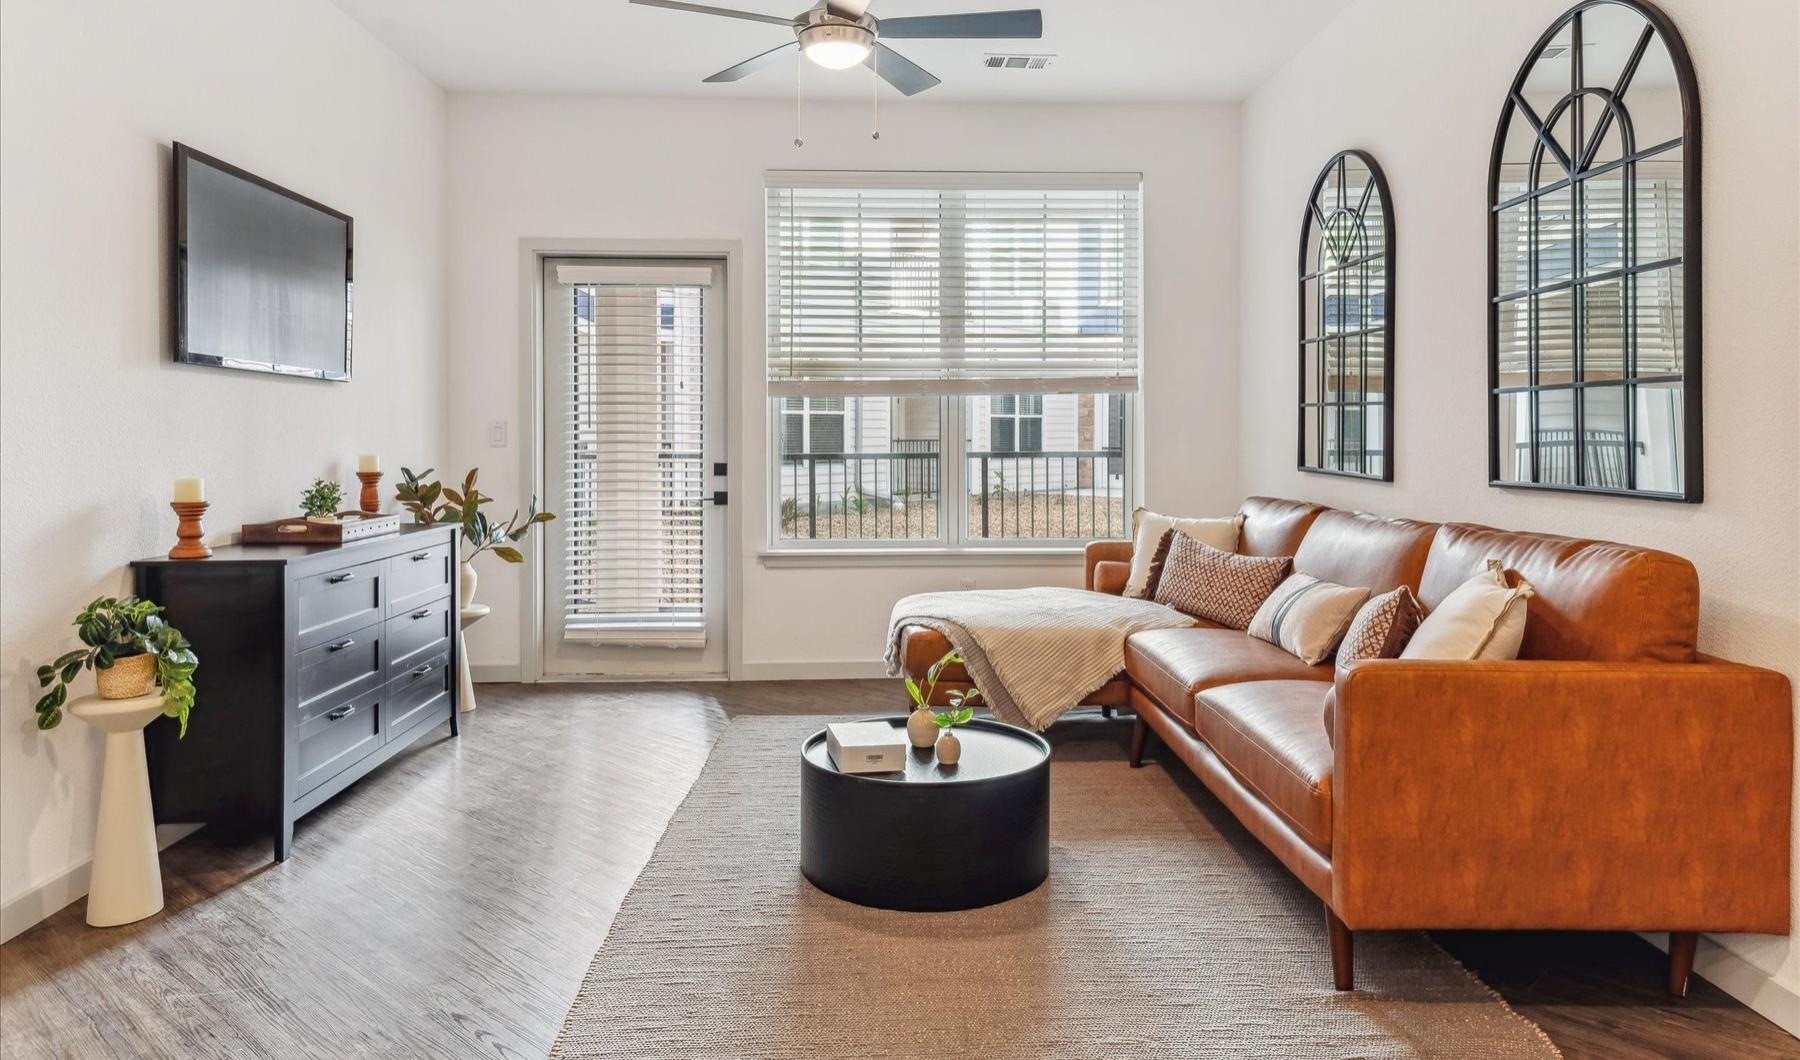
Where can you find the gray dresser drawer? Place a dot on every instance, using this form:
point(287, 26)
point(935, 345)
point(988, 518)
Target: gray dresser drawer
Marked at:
point(418, 695)
point(339, 669)
point(338, 736)
point(336, 602)
point(413, 637)
point(417, 577)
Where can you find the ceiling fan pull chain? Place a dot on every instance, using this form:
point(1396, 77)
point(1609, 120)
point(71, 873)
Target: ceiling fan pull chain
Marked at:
point(799, 65)
point(875, 94)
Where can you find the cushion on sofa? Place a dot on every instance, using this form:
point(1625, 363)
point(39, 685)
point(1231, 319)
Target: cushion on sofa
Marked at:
point(1484, 618)
point(1150, 543)
point(1354, 548)
point(1173, 664)
point(1268, 734)
point(1202, 581)
point(1275, 527)
point(1307, 616)
point(1592, 599)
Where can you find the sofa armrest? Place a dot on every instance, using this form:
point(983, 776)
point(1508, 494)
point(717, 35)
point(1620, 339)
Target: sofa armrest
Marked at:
point(1108, 566)
point(1581, 795)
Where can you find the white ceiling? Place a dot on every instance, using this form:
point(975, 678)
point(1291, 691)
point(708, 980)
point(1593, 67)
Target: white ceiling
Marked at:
point(1106, 50)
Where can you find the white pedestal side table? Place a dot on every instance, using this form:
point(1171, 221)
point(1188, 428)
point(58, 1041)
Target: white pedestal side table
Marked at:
point(126, 882)
point(470, 615)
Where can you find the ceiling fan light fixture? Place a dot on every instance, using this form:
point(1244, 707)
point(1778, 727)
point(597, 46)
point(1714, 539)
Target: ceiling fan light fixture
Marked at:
point(836, 46)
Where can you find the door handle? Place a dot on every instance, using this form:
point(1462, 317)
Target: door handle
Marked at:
point(418, 557)
point(342, 644)
point(348, 575)
point(341, 713)
point(423, 613)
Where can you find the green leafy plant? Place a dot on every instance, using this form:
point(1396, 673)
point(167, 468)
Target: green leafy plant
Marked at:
point(322, 498)
point(115, 629)
point(431, 503)
point(961, 701)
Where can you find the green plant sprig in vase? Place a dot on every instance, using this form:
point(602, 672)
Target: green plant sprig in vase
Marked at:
point(117, 634)
point(928, 727)
point(432, 503)
point(322, 500)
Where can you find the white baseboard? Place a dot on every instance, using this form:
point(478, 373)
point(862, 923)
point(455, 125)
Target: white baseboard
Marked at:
point(810, 671)
point(494, 673)
point(51, 896)
point(1724, 969)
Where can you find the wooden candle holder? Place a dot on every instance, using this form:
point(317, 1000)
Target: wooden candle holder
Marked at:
point(189, 545)
point(370, 501)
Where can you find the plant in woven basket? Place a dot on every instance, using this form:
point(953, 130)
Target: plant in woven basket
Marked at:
point(431, 503)
point(322, 499)
point(120, 633)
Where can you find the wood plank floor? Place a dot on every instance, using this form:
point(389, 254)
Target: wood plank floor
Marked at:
point(447, 906)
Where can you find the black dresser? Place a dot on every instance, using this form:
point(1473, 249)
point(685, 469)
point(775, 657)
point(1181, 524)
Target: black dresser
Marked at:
point(317, 664)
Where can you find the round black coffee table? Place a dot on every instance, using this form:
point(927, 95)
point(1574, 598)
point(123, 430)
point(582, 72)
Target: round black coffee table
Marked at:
point(935, 837)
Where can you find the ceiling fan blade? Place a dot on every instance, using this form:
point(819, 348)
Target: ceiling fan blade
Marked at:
point(751, 65)
point(702, 9)
point(850, 9)
point(897, 70)
point(984, 25)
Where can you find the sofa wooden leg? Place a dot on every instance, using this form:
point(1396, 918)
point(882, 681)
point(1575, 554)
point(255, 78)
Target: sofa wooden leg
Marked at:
point(1139, 730)
point(1342, 943)
point(1681, 960)
point(1106, 712)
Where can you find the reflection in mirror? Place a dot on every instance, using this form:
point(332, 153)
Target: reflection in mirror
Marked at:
point(1593, 166)
point(1346, 321)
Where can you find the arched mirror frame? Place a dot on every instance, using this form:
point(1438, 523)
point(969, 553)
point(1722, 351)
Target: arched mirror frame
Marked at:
point(1611, 103)
point(1314, 405)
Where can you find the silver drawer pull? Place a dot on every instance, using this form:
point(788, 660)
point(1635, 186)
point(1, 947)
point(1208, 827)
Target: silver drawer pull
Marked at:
point(420, 557)
point(348, 575)
point(423, 613)
point(422, 671)
point(342, 712)
point(342, 644)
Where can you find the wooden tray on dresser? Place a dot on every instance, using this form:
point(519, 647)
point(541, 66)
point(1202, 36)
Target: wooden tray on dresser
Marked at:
point(356, 527)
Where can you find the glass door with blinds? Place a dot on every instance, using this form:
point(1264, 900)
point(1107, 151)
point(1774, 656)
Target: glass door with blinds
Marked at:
point(633, 436)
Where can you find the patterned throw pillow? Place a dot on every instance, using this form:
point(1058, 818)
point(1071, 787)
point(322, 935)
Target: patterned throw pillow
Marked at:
point(1307, 617)
point(1221, 587)
point(1381, 629)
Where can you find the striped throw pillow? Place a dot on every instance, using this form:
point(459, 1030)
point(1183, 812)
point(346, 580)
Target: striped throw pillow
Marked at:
point(1307, 617)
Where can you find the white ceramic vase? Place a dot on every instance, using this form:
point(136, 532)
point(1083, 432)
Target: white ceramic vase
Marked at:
point(949, 749)
point(466, 585)
point(922, 729)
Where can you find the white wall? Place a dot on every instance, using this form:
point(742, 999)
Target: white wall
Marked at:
point(96, 418)
point(657, 169)
point(1422, 90)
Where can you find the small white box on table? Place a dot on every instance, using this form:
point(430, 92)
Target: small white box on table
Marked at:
point(866, 747)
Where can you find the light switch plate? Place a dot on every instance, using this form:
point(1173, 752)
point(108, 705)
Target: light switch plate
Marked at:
point(497, 434)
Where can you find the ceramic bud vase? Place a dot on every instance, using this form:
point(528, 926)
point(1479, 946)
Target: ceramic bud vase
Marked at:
point(949, 749)
point(466, 585)
point(922, 728)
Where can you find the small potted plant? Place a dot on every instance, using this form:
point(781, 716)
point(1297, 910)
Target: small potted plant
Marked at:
point(321, 501)
point(432, 502)
point(128, 646)
point(925, 724)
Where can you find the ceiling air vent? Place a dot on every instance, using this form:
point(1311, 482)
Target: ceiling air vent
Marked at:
point(1016, 62)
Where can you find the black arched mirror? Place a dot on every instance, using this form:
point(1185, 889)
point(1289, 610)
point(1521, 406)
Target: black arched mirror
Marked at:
point(1593, 261)
point(1347, 322)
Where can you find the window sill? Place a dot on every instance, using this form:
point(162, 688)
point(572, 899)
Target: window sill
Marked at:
point(1040, 556)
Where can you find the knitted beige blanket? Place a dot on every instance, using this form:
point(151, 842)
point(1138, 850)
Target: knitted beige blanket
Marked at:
point(1034, 653)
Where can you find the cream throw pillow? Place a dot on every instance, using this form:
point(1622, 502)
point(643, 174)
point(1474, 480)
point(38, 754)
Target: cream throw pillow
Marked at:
point(1307, 617)
point(1484, 618)
point(1148, 530)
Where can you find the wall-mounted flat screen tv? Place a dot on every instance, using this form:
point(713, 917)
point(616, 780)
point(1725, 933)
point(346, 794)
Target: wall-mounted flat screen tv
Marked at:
point(262, 277)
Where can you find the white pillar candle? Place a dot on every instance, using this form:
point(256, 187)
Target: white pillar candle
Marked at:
point(368, 462)
point(190, 489)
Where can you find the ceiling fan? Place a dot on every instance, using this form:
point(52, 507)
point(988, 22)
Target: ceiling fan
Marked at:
point(838, 34)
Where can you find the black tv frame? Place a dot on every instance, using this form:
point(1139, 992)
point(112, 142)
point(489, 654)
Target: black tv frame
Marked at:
point(178, 288)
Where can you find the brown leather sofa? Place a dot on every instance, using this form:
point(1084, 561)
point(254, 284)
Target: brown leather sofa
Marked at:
point(1610, 778)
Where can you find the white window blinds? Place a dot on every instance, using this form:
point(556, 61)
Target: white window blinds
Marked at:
point(885, 283)
point(633, 432)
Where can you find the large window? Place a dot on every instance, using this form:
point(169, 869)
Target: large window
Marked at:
point(951, 356)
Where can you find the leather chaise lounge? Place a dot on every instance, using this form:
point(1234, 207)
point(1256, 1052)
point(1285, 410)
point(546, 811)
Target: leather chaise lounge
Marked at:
point(1611, 778)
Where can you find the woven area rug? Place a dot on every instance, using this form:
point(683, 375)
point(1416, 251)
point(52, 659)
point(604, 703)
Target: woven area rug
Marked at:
point(1164, 930)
